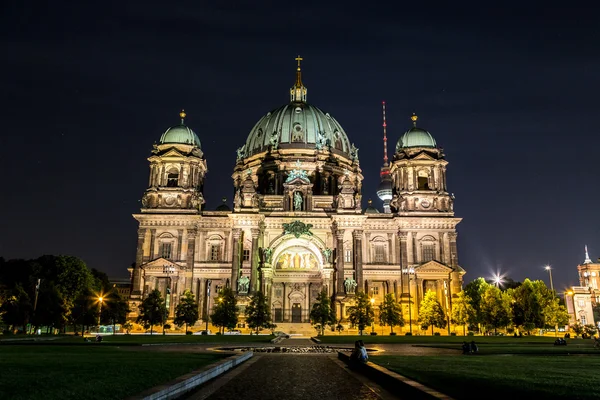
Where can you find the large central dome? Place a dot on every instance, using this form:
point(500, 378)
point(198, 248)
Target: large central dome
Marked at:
point(297, 125)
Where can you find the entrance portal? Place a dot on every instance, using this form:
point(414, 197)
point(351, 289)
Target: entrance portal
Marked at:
point(296, 313)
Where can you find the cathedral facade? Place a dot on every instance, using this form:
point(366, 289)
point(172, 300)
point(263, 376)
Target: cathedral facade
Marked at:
point(297, 225)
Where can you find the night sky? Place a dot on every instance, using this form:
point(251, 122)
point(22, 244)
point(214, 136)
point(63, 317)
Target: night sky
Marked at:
point(510, 94)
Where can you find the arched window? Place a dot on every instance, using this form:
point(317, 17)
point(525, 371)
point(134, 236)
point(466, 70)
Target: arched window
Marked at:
point(379, 250)
point(173, 177)
point(427, 248)
point(215, 248)
point(166, 246)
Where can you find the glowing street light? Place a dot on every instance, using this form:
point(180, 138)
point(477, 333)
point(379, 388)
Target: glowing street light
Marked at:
point(497, 280)
point(547, 268)
point(100, 301)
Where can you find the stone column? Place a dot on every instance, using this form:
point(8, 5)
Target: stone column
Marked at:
point(235, 263)
point(254, 261)
point(306, 309)
point(402, 237)
point(152, 239)
point(453, 249)
point(179, 242)
point(339, 262)
point(201, 296)
point(390, 256)
point(415, 257)
point(139, 259)
point(441, 246)
point(284, 304)
point(189, 258)
point(357, 252)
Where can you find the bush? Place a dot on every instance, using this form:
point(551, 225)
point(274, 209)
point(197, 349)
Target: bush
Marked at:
point(392, 333)
point(408, 334)
point(373, 333)
point(436, 334)
point(189, 333)
point(452, 333)
point(471, 333)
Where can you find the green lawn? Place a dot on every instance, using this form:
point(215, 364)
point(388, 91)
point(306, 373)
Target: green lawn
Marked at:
point(437, 339)
point(142, 339)
point(502, 376)
point(89, 372)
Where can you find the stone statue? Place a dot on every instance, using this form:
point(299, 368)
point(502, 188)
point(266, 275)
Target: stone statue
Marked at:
point(350, 285)
point(274, 140)
point(243, 284)
point(327, 254)
point(340, 202)
point(403, 204)
point(237, 199)
point(266, 254)
point(241, 152)
point(320, 141)
point(358, 201)
point(255, 201)
point(297, 201)
point(145, 200)
point(354, 152)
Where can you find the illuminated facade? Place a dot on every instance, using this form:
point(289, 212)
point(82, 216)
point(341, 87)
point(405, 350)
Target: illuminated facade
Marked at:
point(297, 225)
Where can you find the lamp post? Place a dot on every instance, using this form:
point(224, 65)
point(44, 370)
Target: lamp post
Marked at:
point(547, 268)
point(409, 301)
point(100, 301)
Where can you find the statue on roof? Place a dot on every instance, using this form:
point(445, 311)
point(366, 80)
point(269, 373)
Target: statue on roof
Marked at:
point(241, 152)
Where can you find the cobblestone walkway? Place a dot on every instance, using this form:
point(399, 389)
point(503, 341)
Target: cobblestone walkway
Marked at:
point(294, 377)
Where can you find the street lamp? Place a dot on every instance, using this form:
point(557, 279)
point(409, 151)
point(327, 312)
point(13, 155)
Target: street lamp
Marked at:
point(547, 268)
point(100, 301)
point(497, 280)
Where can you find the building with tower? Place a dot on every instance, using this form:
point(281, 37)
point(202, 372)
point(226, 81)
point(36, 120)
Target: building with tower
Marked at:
point(297, 225)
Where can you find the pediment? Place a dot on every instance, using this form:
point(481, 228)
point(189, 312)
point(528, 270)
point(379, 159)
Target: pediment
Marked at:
point(172, 153)
point(433, 267)
point(159, 263)
point(298, 182)
point(423, 156)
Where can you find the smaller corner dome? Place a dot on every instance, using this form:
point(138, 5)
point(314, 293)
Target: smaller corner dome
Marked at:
point(180, 134)
point(370, 209)
point(416, 137)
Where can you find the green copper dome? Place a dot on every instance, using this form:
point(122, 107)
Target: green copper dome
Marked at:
point(297, 125)
point(415, 137)
point(180, 134)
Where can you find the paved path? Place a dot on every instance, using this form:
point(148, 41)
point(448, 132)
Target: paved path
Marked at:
point(291, 377)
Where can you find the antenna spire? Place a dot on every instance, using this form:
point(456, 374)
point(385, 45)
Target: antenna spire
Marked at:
point(385, 156)
point(587, 256)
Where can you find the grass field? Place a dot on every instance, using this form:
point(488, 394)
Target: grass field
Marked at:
point(89, 372)
point(439, 339)
point(502, 376)
point(134, 340)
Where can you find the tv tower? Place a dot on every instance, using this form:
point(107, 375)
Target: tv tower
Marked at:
point(385, 186)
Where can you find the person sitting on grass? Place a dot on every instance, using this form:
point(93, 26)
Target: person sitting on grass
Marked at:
point(466, 349)
point(473, 347)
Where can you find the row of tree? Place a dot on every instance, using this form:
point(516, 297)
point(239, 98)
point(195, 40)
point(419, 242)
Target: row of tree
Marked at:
point(225, 312)
point(55, 292)
point(481, 306)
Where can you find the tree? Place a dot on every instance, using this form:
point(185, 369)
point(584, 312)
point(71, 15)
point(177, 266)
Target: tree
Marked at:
point(186, 312)
point(152, 310)
point(390, 312)
point(590, 329)
point(577, 328)
point(116, 310)
point(462, 310)
point(16, 309)
point(474, 290)
point(361, 313)
point(495, 308)
point(322, 314)
point(258, 312)
point(527, 310)
point(225, 312)
point(431, 312)
point(556, 315)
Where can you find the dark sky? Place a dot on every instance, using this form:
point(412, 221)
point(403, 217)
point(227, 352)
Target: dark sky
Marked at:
point(510, 94)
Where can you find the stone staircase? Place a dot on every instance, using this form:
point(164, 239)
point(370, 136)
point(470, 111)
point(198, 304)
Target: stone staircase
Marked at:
point(302, 329)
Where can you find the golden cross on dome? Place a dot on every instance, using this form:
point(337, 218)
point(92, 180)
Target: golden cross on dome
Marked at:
point(414, 119)
point(299, 59)
point(182, 115)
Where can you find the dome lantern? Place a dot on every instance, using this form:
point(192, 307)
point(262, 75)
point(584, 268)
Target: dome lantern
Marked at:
point(415, 137)
point(298, 91)
point(180, 134)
